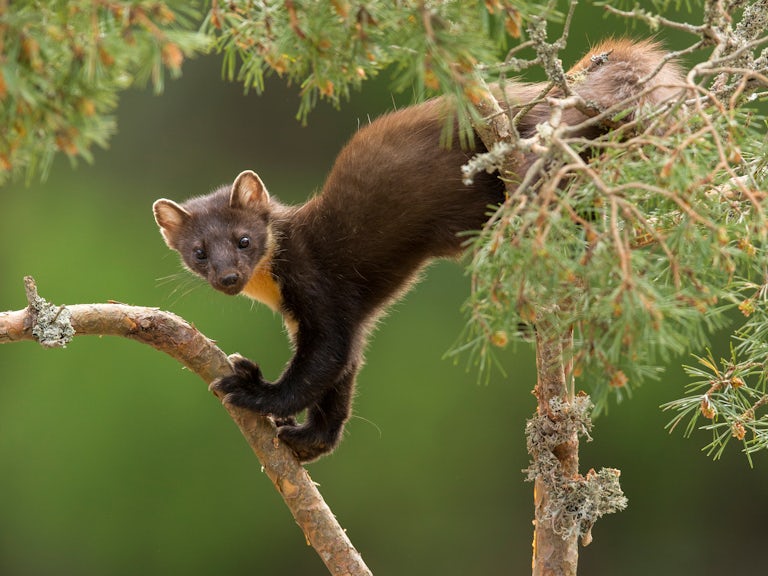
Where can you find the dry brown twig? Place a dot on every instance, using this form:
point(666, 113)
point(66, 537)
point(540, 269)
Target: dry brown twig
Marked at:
point(54, 326)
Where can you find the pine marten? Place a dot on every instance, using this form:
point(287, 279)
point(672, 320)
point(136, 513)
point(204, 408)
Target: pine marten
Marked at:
point(393, 200)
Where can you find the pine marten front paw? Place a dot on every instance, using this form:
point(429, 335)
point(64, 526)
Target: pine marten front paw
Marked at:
point(245, 387)
point(246, 375)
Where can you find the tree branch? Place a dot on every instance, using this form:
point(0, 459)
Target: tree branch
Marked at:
point(553, 552)
point(54, 326)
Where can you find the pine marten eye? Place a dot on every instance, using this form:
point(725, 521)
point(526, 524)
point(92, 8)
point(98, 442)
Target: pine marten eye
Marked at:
point(200, 254)
point(244, 242)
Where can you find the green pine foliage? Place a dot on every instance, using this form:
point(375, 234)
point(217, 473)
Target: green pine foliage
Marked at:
point(729, 398)
point(62, 64)
point(641, 254)
point(330, 48)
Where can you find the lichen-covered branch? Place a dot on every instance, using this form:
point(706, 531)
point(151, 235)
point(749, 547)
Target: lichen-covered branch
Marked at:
point(555, 551)
point(575, 502)
point(54, 326)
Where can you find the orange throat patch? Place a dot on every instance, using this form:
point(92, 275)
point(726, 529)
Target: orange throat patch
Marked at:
point(263, 287)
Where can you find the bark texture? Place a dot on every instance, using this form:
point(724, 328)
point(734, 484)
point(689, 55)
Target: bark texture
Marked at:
point(554, 554)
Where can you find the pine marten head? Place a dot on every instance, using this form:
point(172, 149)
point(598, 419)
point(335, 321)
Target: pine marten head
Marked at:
point(224, 236)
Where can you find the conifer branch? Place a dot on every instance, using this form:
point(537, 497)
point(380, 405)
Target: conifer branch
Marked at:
point(54, 326)
point(566, 504)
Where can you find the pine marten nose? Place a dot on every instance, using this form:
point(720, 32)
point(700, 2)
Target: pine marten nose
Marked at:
point(230, 279)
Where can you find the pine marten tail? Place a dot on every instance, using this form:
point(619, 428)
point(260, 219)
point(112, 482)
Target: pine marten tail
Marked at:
point(631, 72)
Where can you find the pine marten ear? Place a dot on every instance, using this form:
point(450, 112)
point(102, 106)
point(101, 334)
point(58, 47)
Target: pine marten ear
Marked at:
point(171, 218)
point(248, 190)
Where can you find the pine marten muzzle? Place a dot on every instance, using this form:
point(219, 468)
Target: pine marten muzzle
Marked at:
point(393, 200)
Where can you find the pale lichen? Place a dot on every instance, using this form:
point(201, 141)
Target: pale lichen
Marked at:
point(53, 324)
point(574, 503)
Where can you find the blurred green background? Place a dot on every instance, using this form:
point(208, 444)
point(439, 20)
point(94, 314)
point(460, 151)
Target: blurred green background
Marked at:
point(116, 461)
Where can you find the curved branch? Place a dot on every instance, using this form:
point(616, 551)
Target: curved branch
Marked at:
point(176, 337)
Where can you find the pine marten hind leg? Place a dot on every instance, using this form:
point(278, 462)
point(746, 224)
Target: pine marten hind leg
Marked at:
point(321, 432)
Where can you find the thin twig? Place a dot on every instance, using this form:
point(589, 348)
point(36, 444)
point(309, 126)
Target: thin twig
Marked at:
point(655, 20)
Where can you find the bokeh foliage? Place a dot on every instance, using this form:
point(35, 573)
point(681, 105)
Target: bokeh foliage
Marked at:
point(62, 64)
